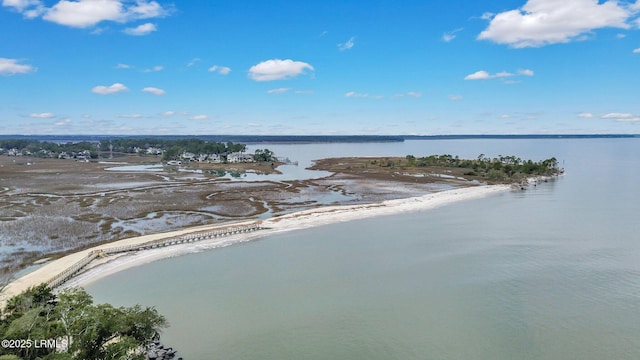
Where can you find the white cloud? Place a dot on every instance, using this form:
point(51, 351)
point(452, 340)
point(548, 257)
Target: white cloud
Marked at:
point(146, 10)
point(348, 44)
point(154, 69)
point(525, 72)
point(11, 67)
point(130, 116)
point(585, 115)
point(277, 69)
point(636, 51)
point(487, 16)
point(112, 89)
point(21, 5)
point(478, 75)
point(140, 30)
point(84, 13)
point(88, 13)
point(154, 91)
point(46, 115)
point(199, 117)
point(412, 94)
point(64, 122)
point(484, 75)
point(278, 90)
point(193, 62)
point(622, 117)
point(455, 97)
point(449, 36)
point(98, 30)
point(168, 113)
point(123, 66)
point(503, 74)
point(543, 22)
point(355, 95)
point(618, 116)
point(222, 70)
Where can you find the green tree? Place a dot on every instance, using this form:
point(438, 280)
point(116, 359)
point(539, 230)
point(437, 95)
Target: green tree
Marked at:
point(264, 155)
point(91, 331)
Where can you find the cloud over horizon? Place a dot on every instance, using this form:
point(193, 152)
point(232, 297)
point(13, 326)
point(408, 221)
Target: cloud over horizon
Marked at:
point(46, 115)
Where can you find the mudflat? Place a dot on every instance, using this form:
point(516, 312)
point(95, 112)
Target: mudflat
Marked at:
point(52, 207)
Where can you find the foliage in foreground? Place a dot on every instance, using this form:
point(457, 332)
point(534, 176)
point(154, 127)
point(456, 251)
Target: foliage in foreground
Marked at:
point(79, 328)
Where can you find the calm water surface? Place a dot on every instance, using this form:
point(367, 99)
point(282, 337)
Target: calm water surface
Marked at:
point(550, 273)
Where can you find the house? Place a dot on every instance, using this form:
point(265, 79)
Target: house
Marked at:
point(212, 158)
point(64, 155)
point(14, 152)
point(188, 156)
point(83, 155)
point(154, 151)
point(238, 157)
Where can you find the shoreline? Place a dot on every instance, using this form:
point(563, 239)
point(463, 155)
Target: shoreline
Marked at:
point(324, 215)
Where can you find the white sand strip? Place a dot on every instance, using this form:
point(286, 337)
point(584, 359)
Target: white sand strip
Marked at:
point(299, 220)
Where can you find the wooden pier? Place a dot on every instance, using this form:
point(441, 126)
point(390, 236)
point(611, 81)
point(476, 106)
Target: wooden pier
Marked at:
point(76, 268)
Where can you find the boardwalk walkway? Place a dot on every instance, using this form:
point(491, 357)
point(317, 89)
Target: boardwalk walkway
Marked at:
point(77, 267)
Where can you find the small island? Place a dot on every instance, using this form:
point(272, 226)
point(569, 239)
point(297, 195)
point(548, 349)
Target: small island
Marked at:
point(443, 168)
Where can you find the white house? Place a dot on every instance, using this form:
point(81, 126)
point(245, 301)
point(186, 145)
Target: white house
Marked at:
point(188, 156)
point(154, 151)
point(238, 157)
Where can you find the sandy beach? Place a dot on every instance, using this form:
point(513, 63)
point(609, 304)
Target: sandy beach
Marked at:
point(298, 220)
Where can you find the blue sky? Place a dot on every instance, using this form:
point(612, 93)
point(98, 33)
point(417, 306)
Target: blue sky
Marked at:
point(319, 67)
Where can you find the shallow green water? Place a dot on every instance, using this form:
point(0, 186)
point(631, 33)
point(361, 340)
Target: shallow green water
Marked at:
point(551, 273)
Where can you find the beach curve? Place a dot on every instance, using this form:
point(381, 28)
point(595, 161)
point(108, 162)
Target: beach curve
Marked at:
point(294, 221)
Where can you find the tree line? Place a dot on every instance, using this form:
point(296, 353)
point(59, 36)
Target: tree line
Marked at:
point(170, 147)
point(499, 168)
point(38, 324)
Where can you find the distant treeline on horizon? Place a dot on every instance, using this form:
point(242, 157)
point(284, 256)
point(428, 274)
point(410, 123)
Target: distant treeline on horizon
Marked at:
point(256, 139)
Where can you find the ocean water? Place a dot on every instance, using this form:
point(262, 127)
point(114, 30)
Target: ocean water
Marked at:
point(549, 273)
